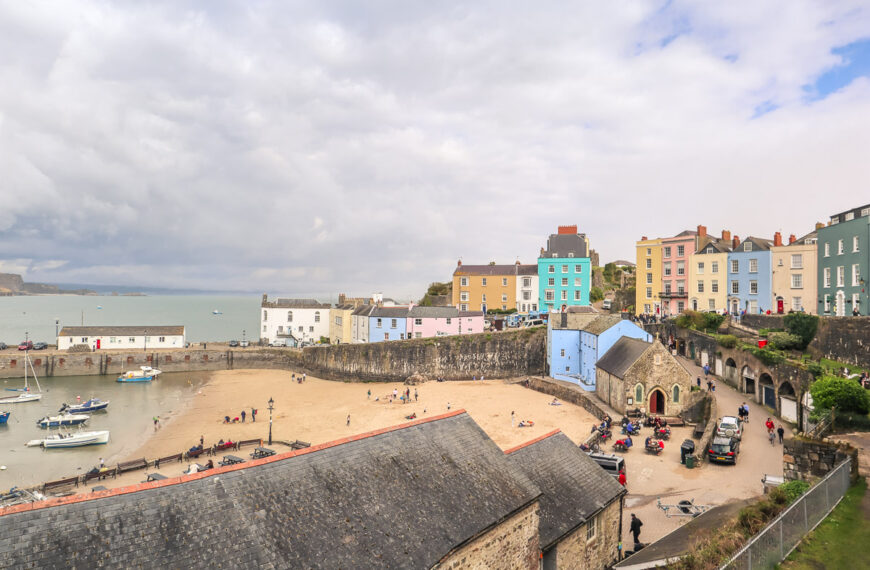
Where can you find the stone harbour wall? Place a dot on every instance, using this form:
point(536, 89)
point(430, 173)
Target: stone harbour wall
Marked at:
point(567, 392)
point(805, 459)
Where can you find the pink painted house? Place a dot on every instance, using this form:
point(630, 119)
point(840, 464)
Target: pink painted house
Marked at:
point(470, 322)
point(675, 271)
point(427, 322)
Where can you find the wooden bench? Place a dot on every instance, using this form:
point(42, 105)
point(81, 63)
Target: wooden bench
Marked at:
point(244, 442)
point(198, 452)
point(101, 474)
point(699, 430)
point(231, 460)
point(223, 446)
point(261, 452)
point(300, 444)
point(132, 465)
point(675, 421)
point(168, 459)
point(60, 483)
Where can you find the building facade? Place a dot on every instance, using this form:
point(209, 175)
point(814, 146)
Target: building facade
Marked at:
point(470, 322)
point(427, 322)
point(359, 323)
point(708, 272)
point(794, 275)
point(341, 323)
point(675, 271)
point(301, 321)
point(843, 263)
point(649, 277)
point(388, 323)
point(564, 271)
point(597, 337)
point(527, 289)
point(749, 276)
point(487, 287)
point(136, 337)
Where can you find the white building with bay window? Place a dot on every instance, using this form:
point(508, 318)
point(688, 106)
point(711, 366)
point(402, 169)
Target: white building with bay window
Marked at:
point(299, 321)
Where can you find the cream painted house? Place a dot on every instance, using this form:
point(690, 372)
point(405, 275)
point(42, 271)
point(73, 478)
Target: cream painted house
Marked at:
point(341, 323)
point(794, 283)
point(708, 273)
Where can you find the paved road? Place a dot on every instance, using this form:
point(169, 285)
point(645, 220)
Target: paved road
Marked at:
point(651, 477)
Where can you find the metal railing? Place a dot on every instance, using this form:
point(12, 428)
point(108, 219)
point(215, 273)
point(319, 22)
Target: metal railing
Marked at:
point(822, 427)
point(773, 544)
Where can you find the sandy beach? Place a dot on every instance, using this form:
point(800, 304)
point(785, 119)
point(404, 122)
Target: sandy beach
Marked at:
point(316, 411)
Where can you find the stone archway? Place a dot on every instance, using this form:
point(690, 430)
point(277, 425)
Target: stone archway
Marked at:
point(767, 392)
point(657, 401)
point(787, 402)
point(748, 376)
point(731, 371)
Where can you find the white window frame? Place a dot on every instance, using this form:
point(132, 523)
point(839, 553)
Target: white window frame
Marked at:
point(714, 267)
point(578, 269)
point(549, 295)
point(564, 269)
point(856, 274)
point(700, 268)
point(841, 275)
point(564, 295)
point(855, 242)
point(483, 282)
point(826, 277)
point(463, 281)
point(577, 296)
point(827, 250)
point(649, 292)
point(649, 278)
point(504, 281)
point(735, 266)
point(753, 265)
point(797, 281)
point(700, 286)
point(681, 251)
point(796, 304)
point(551, 282)
point(841, 247)
point(463, 296)
point(753, 287)
point(564, 281)
point(797, 261)
point(551, 269)
point(681, 268)
point(714, 286)
point(735, 287)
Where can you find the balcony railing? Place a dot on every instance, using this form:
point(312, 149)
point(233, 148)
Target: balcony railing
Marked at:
point(674, 294)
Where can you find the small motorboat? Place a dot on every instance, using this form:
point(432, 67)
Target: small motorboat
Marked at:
point(75, 439)
point(144, 374)
point(22, 397)
point(92, 405)
point(217, 312)
point(4, 417)
point(62, 420)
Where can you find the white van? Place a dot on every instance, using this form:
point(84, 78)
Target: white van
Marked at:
point(278, 342)
point(606, 304)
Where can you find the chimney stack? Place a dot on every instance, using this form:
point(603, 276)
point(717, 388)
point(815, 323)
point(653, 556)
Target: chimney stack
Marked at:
point(459, 263)
point(735, 242)
point(643, 238)
point(702, 231)
point(819, 225)
point(791, 239)
point(777, 239)
point(563, 230)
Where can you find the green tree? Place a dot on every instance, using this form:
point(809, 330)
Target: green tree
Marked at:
point(596, 294)
point(802, 326)
point(841, 393)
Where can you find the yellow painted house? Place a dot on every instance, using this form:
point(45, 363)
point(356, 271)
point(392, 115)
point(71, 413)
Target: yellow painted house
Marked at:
point(485, 287)
point(794, 279)
point(649, 277)
point(340, 329)
point(708, 273)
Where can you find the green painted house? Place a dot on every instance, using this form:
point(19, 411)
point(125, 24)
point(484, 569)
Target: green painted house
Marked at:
point(844, 263)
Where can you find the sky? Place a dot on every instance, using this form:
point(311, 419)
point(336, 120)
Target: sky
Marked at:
point(314, 148)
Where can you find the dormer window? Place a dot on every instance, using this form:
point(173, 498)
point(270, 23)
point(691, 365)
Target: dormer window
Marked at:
point(747, 246)
point(709, 250)
point(571, 254)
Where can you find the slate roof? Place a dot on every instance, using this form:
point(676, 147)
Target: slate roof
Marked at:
point(433, 312)
point(295, 304)
point(470, 313)
point(718, 245)
point(390, 312)
point(123, 331)
point(813, 235)
point(345, 307)
point(574, 487)
point(563, 244)
point(363, 310)
point(401, 497)
point(499, 270)
point(601, 324)
point(622, 355)
point(758, 244)
point(526, 270)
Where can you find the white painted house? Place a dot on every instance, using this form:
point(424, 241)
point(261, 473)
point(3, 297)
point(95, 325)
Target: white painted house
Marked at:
point(296, 320)
point(527, 288)
point(360, 323)
point(137, 337)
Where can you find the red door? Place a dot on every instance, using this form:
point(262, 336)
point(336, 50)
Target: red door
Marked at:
point(98, 344)
point(779, 306)
point(656, 402)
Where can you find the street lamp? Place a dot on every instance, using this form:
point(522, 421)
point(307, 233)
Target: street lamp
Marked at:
point(271, 407)
point(145, 346)
point(243, 338)
point(56, 325)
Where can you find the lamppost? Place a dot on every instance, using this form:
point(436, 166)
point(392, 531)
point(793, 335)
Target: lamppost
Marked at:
point(271, 407)
point(56, 327)
point(145, 346)
point(243, 337)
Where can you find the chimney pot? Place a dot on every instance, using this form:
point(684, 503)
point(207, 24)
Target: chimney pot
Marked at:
point(702, 231)
point(735, 242)
point(791, 239)
point(726, 235)
point(777, 239)
point(819, 225)
point(459, 263)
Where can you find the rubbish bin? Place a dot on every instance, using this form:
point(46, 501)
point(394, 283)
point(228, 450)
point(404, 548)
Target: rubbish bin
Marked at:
point(686, 449)
point(690, 461)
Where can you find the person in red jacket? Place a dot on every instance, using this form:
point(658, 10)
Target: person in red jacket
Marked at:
point(622, 477)
point(769, 424)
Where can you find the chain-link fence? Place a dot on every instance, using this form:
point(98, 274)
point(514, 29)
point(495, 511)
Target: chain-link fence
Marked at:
point(781, 536)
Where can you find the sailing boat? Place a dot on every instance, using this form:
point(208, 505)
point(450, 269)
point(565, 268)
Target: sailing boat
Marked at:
point(26, 395)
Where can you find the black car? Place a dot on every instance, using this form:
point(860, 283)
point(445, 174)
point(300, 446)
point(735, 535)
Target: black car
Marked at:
point(724, 450)
point(234, 343)
point(3, 346)
point(39, 346)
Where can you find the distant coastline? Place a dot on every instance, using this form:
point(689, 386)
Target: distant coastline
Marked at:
point(12, 284)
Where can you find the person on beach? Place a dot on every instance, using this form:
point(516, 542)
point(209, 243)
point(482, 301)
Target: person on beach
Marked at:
point(243, 416)
point(348, 420)
point(415, 394)
point(448, 406)
point(156, 423)
point(395, 393)
point(253, 414)
point(513, 416)
point(369, 394)
point(226, 419)
point(201, 441)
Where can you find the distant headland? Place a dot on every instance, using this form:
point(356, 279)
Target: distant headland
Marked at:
point(13, 284)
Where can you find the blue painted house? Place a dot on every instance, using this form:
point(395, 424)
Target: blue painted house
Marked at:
point(749, 276)
point(388, 323)
point(564, 271)
point(598, 337)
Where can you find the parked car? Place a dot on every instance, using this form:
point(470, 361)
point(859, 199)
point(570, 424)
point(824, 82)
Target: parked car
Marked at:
point(234, 343)
point(26, 345)
point(724, 450)
point(534, 323)
point(278, 342)
point(729, 426)
point(39, 346)
point(606, 304)
point(613, 464)
point(3, 346)
point(245, 343)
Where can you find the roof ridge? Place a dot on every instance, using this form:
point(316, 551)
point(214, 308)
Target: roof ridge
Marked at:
point(533, 441)
point(83, 497)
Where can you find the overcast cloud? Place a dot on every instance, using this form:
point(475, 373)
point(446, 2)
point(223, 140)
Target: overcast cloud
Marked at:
point(330, 147)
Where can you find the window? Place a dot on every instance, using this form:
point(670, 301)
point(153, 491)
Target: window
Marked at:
point(564, 295)
point(668, 288)
point(797, 281)
point(549, 295)
point(649, 263)
point(463, 296)
point(379, 323)
point(551, 269)
point(753, 266)
point(483, 298)
point(463, 307)
point(840, 247)
point(84, 339)
point(418, 322)
point(386, 336)
point(562, 352)
point(865, 212)
point(338, 321)
point(564, 281)
point(714, 286)
point(849, 216)
point(504, 298)
point(753, 287)
point(856, 274)
point(590, 529)
point(264, 328)
point(131, 339)
point(735, 266)
point(570, 254)
point(826, 281)
point(700, 286)
point(567, 369)
point(392, 323)
point(709, 250)
point(797, 261)
point(579, 268)
point(112, 340)
point(676, 394)
point(316, 316)
point(735, 288)
point(638, 393)
point(289, 316)
point(667, 252)
point(649, 277)
point(564, 269)
point(796, 304)
point(527, 281)
point(681, 268)
point(483, 281)
point(714, 267)
point(578, 282)
point(649, 292)
point(827, 250)
point(504, 281)
point(681, 250)
point(854, 244)
point(711, 304)
point(667, 267)
point(551, 281)
point(747, 246)
point(265, 315)
point(301, 329)
point(700, 268)
point(681, 305)
point(753, 307)
point(463, 281)
point(449, 320)
point(577, 295)
point(649, 251)
point(841, 275)
point(527, 296)
point(418, 335)
point(280, 329)
point(827, 303)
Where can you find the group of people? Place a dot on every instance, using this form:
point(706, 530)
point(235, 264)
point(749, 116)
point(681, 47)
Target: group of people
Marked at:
point(241, 417)
point(780, 431)
point(298, 378)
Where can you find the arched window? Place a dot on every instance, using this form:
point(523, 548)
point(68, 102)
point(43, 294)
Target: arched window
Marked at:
point(677, 394)
point(289, 316)
point(638, 393)
point(316, 316)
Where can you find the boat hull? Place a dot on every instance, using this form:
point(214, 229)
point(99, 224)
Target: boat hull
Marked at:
point(72, 420)
point(86, 407)
point(80, 439)
point(21, 398)
point(4, 417)
point(146, 374)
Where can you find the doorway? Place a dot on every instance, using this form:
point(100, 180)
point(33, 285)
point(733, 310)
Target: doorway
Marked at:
point(656, 402)
point(780, 306)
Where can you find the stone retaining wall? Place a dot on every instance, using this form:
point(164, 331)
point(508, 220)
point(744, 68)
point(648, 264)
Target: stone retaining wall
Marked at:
point(804, 459)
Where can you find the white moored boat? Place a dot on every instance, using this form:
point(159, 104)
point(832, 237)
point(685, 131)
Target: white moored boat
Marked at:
point(25, 394)
point(75, 439)
point(144, 374)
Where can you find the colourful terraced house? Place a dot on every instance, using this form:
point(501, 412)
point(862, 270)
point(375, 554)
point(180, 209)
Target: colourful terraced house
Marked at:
point(564, 270)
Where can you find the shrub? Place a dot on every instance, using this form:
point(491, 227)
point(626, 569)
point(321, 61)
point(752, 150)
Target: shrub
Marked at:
point(713, 320)
point(816, 369)
point(767, 356)
point(841, 393)
point(596, 294)
point(802, 325)
point(727, 340)
point(784, 340)
point(792, 490)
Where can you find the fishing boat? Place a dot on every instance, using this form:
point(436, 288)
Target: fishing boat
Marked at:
point(92, 405)
point(4, 417)
point(144, 374)
point(62, 420)
point(75, 439)
point(25, 394)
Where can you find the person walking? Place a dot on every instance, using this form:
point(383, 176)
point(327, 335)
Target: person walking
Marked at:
point(243, 416)
point(348, 420)
point(253, 414)
point(513, 416)
point(622, 482)
point(772, 437)
point(415, 394)
point(709, 386)
point(369, 394)
point(201, 440)
point(698, 381)
point(780, 431)
point(635, 528)
point(156, 423)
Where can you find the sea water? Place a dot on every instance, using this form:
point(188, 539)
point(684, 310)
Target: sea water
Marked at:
point(38, 317)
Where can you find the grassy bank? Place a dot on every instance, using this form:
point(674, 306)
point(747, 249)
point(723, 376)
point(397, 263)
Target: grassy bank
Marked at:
point(840, 541)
